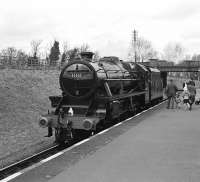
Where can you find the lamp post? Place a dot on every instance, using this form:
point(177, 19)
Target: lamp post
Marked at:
point(135, 44)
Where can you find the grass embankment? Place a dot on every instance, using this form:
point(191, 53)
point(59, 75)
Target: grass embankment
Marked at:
point(23, 97)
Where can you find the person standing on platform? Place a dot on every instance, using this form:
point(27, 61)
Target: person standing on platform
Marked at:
point(170, 91)
point(192, 91)
point(186, 96)
point(184, 83)
point(191, 82)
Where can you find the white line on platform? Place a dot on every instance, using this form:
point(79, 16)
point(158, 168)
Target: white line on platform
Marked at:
point(118, 124)
point(31, 167)
point(51, 157)
point(103, 131)
point(11, 177)
point(70, 148)
point(81, 142)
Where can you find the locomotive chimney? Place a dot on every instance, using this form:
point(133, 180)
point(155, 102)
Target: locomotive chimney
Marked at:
point(87, 56)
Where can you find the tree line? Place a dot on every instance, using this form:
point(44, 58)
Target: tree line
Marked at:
point(12, 56)
point(141, 50)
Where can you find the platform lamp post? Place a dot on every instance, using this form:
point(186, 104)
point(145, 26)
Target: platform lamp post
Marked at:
point(135, 43)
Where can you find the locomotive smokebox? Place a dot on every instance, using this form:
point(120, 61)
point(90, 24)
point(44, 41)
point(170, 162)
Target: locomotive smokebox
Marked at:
point(87, 56)
point(78, 79)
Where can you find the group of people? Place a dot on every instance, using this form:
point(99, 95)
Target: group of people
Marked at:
point(175, 97)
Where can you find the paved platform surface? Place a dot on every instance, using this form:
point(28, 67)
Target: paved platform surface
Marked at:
point(163, 146)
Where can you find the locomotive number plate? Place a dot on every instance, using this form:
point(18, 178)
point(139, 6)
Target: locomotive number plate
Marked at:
point(76, 75)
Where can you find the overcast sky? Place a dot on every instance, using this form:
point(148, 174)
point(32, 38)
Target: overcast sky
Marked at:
point(106, 25)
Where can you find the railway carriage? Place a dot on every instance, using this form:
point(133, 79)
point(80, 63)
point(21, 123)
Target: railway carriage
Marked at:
point(95, 94)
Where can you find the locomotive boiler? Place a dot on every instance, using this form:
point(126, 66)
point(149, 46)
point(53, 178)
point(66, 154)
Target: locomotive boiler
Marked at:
point(97, 93)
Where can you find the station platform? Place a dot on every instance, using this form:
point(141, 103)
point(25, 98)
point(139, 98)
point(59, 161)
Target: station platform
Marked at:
point(162, 145)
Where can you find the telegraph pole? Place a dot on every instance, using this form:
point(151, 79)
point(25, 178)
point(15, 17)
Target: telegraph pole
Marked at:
point(135, 43)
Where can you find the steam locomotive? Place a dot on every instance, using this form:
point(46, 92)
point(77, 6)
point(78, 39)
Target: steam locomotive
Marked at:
point(97, 93)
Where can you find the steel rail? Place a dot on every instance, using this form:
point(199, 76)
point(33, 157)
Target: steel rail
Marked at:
point(28, 158)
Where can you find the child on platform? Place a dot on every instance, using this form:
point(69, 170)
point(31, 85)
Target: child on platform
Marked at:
point(186, 96)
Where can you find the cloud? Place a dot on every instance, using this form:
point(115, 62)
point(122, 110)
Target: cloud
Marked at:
point(194, 35)
point(109, 45)
point(178, 11)
point(23, 26)
point(105, 25)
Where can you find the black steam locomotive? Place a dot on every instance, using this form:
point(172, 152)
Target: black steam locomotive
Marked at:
point(97, 93)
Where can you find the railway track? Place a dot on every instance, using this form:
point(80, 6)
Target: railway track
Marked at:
point(11, 171)
point(22, 164)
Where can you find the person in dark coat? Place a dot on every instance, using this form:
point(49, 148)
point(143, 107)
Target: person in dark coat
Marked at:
point(170, 92)
point(192, 91)
point(191, 82)
point(184, 84)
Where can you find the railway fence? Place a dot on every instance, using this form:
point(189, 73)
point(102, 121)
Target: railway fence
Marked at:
point(29, 64)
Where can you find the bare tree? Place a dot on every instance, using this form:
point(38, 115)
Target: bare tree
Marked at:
point(9, 54)
point(12, 56)
point(65, 47)
point(73, 54)
point(84, 47)
point(47, 49)
point(96, 56)
point(35, 46)
point(173, 52)
point(143, 49)
point(187, 57)
point(21, 58)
